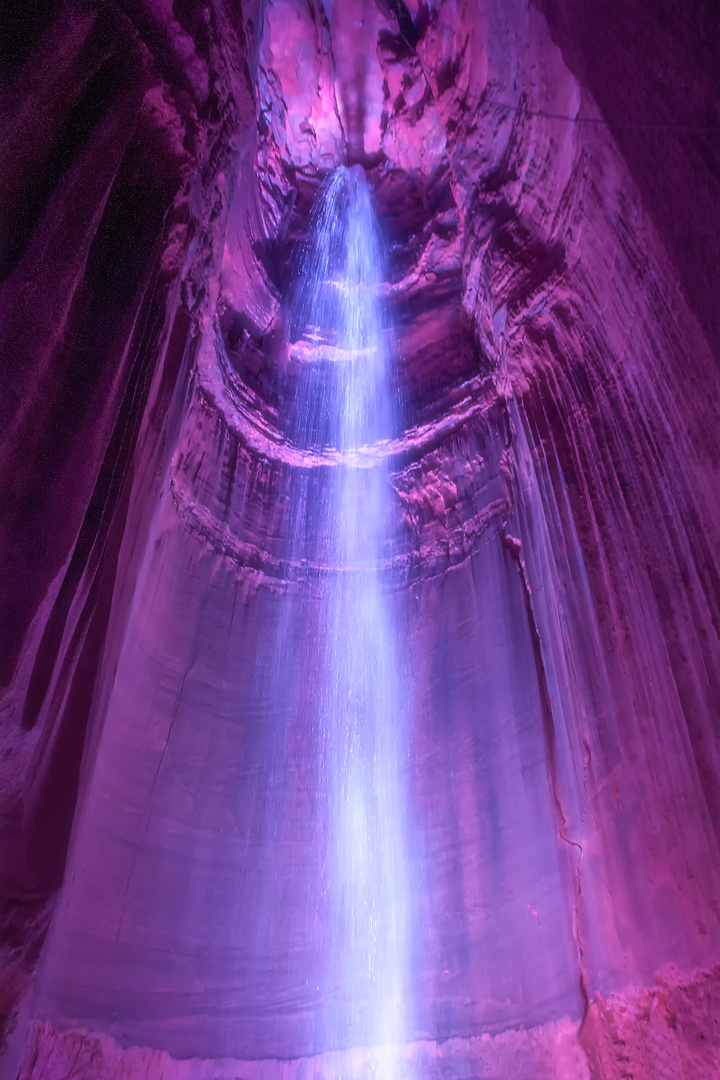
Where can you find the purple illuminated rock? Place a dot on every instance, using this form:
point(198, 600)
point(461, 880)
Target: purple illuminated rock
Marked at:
point(555, 508)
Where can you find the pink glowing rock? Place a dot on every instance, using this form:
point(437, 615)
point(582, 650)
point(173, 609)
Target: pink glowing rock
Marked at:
point(297, 93)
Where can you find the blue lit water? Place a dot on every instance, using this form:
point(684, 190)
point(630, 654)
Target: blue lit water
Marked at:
point(342, 414)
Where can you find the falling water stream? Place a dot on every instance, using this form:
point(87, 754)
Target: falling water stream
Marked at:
point(342, 415)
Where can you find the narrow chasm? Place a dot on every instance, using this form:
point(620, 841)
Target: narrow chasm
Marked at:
point(359, 572)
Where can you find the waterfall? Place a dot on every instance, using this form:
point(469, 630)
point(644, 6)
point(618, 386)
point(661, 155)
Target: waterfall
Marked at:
point(342, 416)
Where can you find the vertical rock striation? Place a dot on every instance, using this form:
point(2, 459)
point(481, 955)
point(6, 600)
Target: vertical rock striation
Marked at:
point(119, 124)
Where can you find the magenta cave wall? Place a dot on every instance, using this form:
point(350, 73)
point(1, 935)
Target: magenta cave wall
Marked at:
point(547, 177)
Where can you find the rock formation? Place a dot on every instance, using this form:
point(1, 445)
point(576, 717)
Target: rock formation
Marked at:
point(547, 176)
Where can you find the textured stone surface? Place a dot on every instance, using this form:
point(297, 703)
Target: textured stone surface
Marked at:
point(556, 508)
point(668, 1030)
point(112, 191)
point(222, 749)
point(538, 1054)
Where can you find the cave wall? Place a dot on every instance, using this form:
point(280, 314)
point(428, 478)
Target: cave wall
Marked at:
point(221, 757)
point(115, 136)
point(557, 522)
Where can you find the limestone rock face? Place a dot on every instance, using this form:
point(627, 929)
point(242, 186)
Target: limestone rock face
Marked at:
point(546, 180)
point(121, 125)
